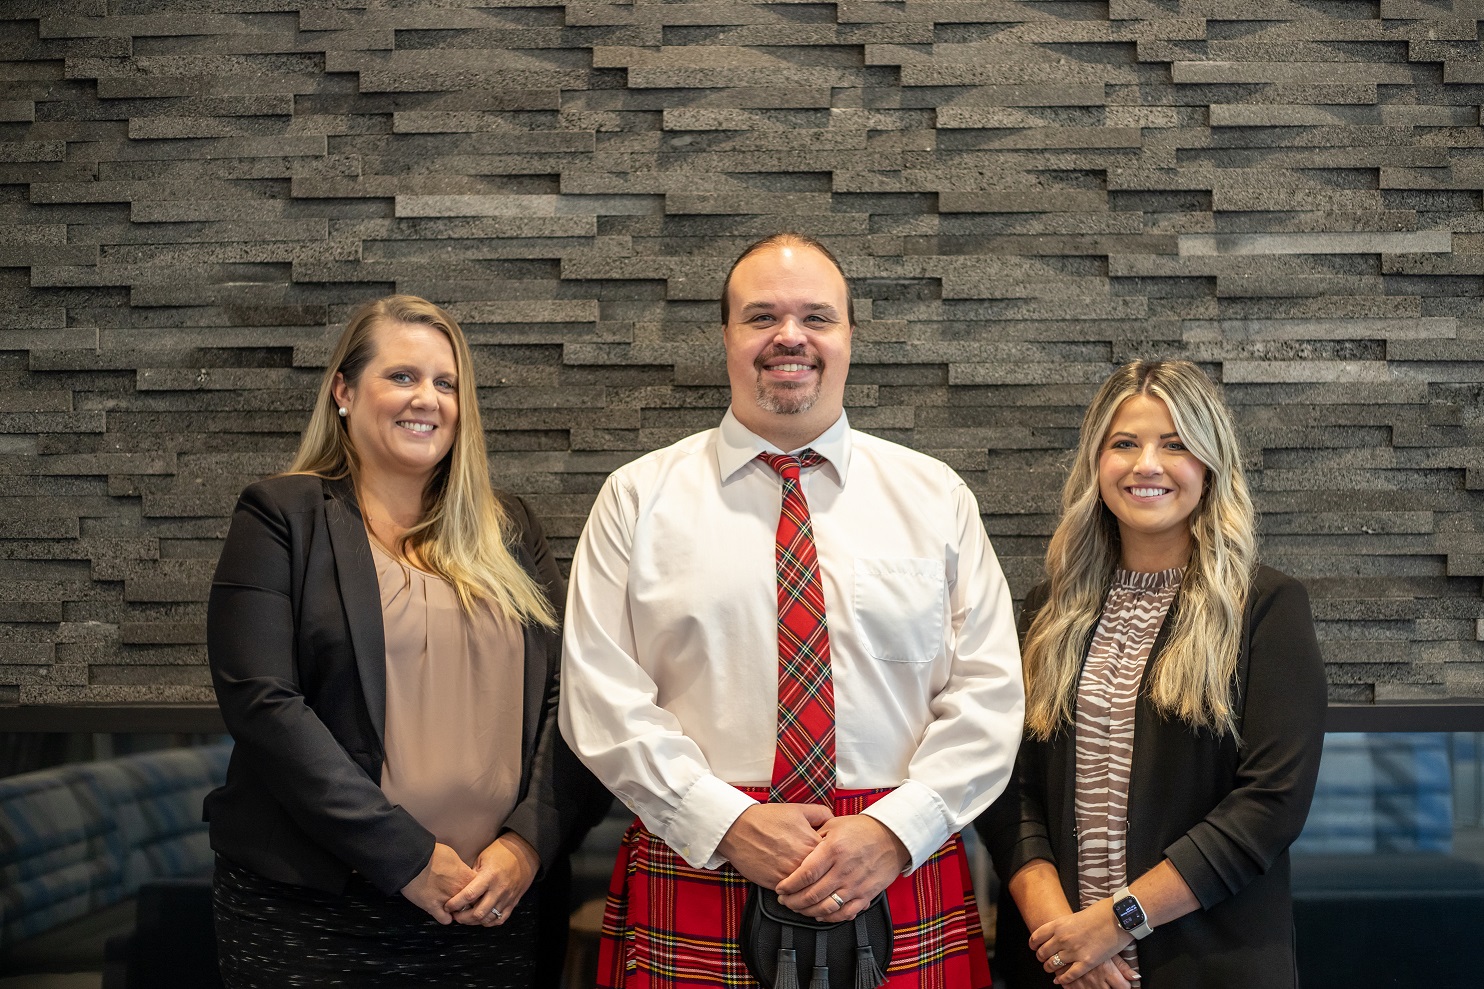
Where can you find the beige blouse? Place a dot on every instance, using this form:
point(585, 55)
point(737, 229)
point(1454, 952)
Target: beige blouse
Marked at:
point(454, 684)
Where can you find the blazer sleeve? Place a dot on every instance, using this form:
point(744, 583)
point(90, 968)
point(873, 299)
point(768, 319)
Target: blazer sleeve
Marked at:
point(1282, 736)
point(1014, 828)
point(563, 801)
point(250, 642)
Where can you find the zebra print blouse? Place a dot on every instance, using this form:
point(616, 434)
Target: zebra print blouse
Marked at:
point(1106, 696)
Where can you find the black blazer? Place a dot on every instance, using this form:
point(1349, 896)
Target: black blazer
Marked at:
point(295, 641)
point(1223, 814)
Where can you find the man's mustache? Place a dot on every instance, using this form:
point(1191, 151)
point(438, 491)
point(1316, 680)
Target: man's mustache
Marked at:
point(778, 351)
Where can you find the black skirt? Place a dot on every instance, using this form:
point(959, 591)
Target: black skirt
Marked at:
point(271, 934)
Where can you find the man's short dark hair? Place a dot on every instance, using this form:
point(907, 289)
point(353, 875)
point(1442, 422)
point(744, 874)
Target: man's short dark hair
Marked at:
point(786, 237)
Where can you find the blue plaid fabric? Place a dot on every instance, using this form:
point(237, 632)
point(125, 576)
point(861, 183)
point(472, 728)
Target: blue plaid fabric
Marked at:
point(81, 837)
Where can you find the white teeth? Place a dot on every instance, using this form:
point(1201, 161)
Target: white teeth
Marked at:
point(1148, 492)
point(417, 427)
point(791, 367)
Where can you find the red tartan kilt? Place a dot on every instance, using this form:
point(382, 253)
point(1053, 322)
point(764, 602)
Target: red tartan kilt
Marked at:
point(670, 926)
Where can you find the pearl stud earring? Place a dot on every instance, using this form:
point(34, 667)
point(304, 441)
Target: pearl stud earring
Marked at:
point(342, 412)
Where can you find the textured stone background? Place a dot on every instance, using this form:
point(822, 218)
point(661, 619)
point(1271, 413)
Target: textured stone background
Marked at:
point(192, 193)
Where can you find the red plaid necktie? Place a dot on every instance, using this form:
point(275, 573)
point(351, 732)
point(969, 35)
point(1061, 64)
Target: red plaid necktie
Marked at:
point(804, 762)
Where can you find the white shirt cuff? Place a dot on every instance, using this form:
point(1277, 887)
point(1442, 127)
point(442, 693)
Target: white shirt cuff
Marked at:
point(918, 816)
point(705, 813)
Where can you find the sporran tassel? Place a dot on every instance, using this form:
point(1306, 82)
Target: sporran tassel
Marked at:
point(788, 970)
point(868, 974)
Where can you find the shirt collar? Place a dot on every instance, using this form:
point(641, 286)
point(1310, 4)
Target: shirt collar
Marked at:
point(737, 446)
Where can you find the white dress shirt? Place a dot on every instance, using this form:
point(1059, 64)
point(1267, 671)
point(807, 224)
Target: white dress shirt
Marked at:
point(670, 669)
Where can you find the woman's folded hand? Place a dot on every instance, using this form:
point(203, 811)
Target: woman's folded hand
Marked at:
point(1072, 946)
point(444, 875)
point(501, 877)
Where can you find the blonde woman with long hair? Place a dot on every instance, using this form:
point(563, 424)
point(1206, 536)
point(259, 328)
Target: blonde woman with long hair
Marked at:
point(1175, 702)
point(382, 634)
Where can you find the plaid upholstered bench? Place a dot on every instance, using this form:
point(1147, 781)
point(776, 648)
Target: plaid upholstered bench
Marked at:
point(78, 842)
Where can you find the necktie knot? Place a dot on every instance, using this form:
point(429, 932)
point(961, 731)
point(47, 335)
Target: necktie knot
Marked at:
point(788, 467)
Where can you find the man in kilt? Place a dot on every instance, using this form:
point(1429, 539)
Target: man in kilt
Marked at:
point(790, 651)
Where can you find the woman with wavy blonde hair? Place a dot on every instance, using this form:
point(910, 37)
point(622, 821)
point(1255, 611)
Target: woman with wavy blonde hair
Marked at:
point(1174, 713)
point(382, 634)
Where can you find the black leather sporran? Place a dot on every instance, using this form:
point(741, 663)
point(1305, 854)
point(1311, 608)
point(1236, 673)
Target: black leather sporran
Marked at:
point(779, 945)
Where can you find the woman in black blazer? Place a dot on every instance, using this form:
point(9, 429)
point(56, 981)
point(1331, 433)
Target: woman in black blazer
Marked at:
point(380, 576)
point(1175, 712)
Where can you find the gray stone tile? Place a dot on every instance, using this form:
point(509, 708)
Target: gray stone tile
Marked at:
point(1024, 194)
point(1369, 242)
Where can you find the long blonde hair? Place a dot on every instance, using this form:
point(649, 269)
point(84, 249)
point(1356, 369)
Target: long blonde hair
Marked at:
point(1193, 675)
point(463, 532)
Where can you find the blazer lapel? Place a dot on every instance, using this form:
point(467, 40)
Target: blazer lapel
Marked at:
point(1065, 756)
point(535, 671)
point(360, 594)
point(1149, 729)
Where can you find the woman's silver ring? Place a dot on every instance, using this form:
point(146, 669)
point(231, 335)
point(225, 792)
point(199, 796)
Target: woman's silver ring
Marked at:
point(839, 903)
point(1056, 960)
point(495, 913)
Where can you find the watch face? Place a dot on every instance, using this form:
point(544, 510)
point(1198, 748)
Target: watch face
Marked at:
point(1128, 912)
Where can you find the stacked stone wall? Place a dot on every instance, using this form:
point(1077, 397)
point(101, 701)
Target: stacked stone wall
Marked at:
point(194, 194)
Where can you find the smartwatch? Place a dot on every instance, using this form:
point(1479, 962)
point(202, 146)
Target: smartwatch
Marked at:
point(1130, 915)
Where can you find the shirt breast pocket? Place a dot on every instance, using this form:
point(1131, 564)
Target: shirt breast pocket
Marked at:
point(899, 608)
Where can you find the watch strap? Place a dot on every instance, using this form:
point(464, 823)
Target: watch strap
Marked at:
point(1140, 931)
